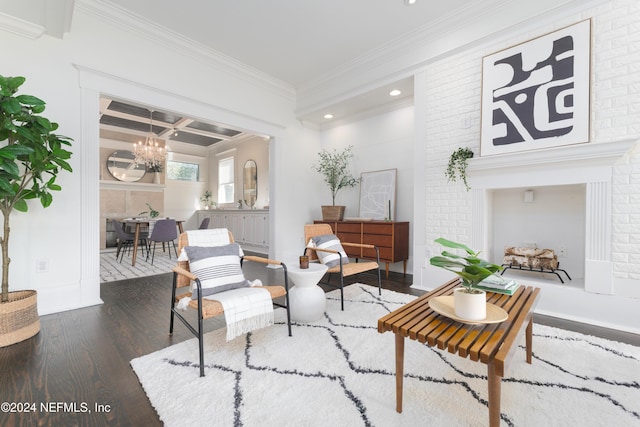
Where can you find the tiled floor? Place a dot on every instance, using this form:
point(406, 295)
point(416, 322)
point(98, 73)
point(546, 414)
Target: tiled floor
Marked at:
point(112, 269)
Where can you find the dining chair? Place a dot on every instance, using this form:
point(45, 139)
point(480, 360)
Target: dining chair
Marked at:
point(164, 231)
point(204, 224)
point(125, 239)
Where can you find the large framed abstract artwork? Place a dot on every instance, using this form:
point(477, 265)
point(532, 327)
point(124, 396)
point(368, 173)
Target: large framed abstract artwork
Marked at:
point(536, 95)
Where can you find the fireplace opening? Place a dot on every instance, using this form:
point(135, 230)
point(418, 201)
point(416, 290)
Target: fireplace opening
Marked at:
point(572, 205)
point(545, 217)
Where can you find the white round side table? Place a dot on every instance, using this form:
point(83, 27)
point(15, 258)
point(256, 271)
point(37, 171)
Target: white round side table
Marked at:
point(306, 298)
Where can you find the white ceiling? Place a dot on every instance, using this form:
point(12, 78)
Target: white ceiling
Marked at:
point(302, 42)
point(305, 43)
point(296, 41)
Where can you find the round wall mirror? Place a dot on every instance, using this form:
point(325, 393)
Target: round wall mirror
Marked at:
point(123, 168)
point(250, 183)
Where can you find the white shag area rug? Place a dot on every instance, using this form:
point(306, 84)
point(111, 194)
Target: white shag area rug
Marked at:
point(339, 371)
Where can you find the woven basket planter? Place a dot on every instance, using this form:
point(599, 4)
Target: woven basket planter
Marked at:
point(332, 213)
point(19, 318)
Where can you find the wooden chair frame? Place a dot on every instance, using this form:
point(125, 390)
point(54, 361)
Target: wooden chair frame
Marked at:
point(208, 308)
point(345, 270)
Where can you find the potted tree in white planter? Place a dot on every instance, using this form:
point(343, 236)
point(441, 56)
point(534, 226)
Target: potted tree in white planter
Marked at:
point(334, 168)
point(469, 303)
point(31, 157)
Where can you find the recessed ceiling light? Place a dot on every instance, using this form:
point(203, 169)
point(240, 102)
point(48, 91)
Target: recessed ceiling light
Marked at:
point(395, 92)
point(328, 116)
point(409, 2)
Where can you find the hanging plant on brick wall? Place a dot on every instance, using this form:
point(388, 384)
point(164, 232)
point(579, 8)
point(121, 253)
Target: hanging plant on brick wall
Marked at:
point(457, 167)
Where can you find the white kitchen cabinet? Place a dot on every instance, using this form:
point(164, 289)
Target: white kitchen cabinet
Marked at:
point(250, 228)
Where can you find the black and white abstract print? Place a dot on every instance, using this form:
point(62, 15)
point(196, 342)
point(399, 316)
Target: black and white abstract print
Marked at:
point(536, 94)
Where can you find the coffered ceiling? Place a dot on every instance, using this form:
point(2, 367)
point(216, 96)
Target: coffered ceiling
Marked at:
point(128, 122)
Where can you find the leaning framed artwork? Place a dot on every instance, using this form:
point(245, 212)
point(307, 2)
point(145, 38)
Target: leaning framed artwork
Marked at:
point(378, 194)
point(536, 95)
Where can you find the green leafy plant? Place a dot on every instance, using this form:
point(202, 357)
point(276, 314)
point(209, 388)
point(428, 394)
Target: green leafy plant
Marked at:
point(207, 200)
point(31, 157)
point(333, 166)
point(471, 269)
point(457, 167)
point(154, 167)
point(152, 212)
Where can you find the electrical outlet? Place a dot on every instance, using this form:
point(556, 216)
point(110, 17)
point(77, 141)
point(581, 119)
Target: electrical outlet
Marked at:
point(42, 266)
point(562, 252)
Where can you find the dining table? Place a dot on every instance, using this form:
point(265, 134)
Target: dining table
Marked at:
point(138, 223)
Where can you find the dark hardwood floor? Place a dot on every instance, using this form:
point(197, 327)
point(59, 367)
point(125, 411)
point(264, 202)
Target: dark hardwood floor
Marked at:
point(76, 371)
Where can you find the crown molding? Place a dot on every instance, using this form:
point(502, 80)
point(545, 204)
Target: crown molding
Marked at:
point(363, 114)
point(467, 28)
point(448, 24)
point(50, 17)
point(121, 18)
point(589, 154)
point(58, 16)
point(20, 27)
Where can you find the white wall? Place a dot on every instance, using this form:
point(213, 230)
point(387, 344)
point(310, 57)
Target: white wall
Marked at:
point(294, 186)
point(255, 148)
point(380, 142)
point(102, 55)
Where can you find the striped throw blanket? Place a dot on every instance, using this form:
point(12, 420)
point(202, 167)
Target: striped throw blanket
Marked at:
point(245, 310)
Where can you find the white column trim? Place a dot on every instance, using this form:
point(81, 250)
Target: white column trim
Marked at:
point(479, 219)
point(90, 196)
point(598, 221)
point(420, 165)
point(598, 266)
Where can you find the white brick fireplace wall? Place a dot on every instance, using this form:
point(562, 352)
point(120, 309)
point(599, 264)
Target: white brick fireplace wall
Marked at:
point(608, 165)
point(589, 164)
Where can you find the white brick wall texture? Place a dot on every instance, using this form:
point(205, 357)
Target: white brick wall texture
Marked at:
point(453, 121)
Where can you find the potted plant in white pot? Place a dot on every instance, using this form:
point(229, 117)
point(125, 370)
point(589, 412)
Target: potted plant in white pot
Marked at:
point(31, 157)
point(156, 168)
point(334, 168)
point(207, 200)
point(469, 303)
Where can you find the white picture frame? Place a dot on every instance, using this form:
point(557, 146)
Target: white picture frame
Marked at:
point(378, 194)
point(536, 95)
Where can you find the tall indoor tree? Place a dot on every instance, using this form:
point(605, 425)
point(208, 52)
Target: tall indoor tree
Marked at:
point(31, 157)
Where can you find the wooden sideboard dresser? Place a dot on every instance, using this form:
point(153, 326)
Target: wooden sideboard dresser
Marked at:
point(391, 238)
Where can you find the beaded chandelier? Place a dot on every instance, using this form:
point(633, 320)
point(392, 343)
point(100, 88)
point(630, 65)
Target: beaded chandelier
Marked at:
point(149, 153)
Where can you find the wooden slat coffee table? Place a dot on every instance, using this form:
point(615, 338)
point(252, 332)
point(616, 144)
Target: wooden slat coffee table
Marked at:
point(490, 344)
